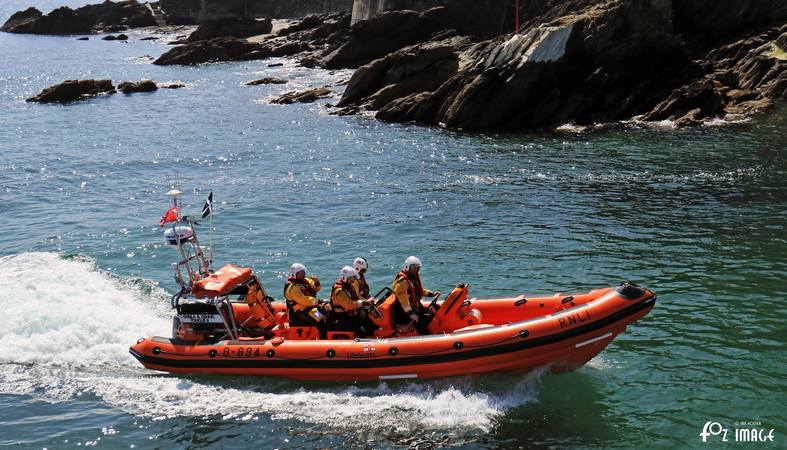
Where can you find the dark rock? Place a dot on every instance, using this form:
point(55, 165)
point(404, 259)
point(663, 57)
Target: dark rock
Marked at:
point(172, 86)
point(408, 71)
point(308, 96)
point(213, 50)
point(240, 27)
point(71, 90)
point(580, 61)
point(306, 23)
point(119, 37)
point(275, 65)
point(22, 21)
point(696, 100)
point(384, 34)
point(85, 38)
point(149, 38)
point(64, 20)
point(346, 111)
point(128, 87)
point(266, 81)
point(113, 28)
point(710, 21)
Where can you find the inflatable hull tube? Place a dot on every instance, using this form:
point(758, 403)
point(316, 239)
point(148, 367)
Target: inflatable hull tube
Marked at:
point(569, 332)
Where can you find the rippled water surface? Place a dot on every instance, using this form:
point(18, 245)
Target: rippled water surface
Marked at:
point(697, 215)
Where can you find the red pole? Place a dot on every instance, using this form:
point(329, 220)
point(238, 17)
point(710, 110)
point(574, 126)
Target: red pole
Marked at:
point(517, 16)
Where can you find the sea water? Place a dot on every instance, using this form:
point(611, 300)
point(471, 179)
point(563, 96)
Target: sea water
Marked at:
point(698, 215)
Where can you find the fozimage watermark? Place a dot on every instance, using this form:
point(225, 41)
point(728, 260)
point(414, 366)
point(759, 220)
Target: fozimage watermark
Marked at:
point(743, 431)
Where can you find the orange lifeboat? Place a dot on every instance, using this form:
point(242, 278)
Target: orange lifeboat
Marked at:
point(515, 334)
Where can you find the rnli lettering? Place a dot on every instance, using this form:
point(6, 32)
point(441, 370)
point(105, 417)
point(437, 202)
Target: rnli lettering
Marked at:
point(242, 352)
point(573, 319)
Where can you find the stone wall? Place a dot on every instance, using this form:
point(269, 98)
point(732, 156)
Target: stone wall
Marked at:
point(195, 11)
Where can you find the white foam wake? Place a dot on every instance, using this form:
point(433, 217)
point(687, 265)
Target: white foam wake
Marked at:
point(67, 329)
point(65, 312)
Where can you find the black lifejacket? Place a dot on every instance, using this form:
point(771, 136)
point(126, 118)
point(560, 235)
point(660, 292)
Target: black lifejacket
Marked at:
point(414, 288)
point(342, 285)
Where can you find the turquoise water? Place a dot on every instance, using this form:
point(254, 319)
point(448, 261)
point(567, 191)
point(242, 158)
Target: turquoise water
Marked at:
point(697, 215)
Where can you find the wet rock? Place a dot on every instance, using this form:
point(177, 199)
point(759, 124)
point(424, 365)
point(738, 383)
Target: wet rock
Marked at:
point(119, 37)
point(172, 86)
point(266, 81)
point(307, 96)
point(696, 100)
point(276, 65)
point(71, 90)
point(85, 38)
point(213, 50)
point(128, 87)
point(231, 27)
point(64, 20)
point(408, 71)
point(149, 38)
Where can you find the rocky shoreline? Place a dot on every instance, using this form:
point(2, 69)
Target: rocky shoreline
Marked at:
point(101, 17)
point(581, 62)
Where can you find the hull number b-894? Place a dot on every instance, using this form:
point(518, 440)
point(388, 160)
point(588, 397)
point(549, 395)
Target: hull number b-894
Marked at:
point(241, 352)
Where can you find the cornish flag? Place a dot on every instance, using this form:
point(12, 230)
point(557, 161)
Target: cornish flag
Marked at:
point(208, 208)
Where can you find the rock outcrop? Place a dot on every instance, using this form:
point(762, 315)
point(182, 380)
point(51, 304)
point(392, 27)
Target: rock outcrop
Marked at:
point(213, 50)
point(128, 87)
point(266, 80)
point(71, 90)
point(384, 34)
point(119, 37)
point(307, 96)
point(64, 20)
point(585, 62)
point(233, 27)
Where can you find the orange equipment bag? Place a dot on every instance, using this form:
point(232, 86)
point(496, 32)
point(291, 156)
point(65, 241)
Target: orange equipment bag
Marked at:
point(221, 282)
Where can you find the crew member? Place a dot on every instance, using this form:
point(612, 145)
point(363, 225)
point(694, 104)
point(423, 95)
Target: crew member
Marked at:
point(361, 266)
point(409, 291)
point(302, 304)
point(347, 304)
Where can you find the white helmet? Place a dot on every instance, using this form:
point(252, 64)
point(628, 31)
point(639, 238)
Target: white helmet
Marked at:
point(297, 267)
point(411, 261)
point(348, 272)
point(360, 263)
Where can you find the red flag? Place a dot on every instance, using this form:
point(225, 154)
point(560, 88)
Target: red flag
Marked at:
point(170, 216)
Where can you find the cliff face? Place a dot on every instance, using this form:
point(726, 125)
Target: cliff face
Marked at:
point(586, 61)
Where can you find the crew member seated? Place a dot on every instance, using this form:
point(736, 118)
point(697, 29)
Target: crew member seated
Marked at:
point(302, 304)
point(409, 291)
point(361, 266)
point(347, 306)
